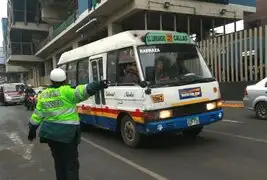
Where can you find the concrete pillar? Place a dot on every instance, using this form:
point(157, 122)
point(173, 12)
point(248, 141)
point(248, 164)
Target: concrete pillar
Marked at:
point(175, 22)
point(213, 28)
point(235, 26)
point(188, 25)
point(21, 78)
point(46, 67)
point(114, 29)
point(145, 19)
point(54, 61)
point(25, 12)
point(37, 76)
point(37, 12)
point(160, 21)
point(224, 27)
point(201, 29)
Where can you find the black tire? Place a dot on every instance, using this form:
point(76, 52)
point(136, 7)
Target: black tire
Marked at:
point(261, 110)
point(193, 132)
point(130, 136)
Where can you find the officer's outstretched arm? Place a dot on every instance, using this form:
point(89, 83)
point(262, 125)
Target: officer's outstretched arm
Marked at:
point(83, 92)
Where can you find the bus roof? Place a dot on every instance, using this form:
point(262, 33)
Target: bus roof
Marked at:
point(117, 41)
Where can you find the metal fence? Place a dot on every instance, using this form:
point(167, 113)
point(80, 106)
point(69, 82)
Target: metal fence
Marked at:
point(240, 56)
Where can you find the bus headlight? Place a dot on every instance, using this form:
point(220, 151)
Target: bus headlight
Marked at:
point(211, 106)
point(219, 104)
point(165, 114)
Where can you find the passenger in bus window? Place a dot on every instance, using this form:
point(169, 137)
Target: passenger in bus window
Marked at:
point(161, 68)
point(131, 74)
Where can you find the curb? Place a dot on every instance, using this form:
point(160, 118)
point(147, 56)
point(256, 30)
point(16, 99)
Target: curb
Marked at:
point(233, 104)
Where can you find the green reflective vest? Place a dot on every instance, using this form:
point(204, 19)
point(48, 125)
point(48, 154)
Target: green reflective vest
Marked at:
point(56, 111)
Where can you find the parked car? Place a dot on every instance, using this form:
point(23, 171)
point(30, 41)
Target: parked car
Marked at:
point(256, 98)
point(10, 94)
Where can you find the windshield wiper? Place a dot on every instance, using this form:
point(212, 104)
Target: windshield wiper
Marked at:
point(199, 80)
point(183, 81)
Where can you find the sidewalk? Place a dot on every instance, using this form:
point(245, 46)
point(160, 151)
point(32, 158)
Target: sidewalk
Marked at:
point(233, 104)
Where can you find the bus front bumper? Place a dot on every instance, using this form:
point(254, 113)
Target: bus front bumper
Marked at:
point(181, 123)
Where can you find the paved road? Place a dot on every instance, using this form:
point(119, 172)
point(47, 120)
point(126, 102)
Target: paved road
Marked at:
point(232, 149)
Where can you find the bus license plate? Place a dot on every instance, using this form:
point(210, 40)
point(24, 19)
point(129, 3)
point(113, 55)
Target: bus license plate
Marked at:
point(192, 121)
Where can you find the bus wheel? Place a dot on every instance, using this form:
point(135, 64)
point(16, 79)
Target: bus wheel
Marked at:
point(192, 133)
point(129, 134)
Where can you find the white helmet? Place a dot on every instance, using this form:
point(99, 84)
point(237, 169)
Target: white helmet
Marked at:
point(58, 75)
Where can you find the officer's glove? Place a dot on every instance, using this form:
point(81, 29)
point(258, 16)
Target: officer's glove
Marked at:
point(94, 87)
point(32, 132)
point(104, 84)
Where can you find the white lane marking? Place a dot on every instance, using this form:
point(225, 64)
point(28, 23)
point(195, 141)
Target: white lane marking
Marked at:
point(26, 150)
point(232, 121)
point(127, 161)
point(237, 136)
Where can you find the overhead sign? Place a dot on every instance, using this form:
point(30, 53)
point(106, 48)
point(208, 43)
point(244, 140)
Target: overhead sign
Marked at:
point(165, 38)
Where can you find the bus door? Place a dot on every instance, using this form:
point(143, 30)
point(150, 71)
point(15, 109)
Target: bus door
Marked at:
point(96, 73)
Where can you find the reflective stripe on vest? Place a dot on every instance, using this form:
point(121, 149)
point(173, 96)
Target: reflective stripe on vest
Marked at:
point(33, 122)
point(71, 122)
point(55, 113)
point(78, 95)
point(38, 113)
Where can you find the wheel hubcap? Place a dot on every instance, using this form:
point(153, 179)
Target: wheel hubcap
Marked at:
point(262, 110)
point(129, 131)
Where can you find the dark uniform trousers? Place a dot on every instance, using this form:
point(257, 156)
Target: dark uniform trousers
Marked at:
point(65, 159)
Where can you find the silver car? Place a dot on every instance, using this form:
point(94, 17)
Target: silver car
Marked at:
point(256, 98)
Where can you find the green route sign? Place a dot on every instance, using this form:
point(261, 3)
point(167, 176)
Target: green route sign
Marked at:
point(165, 38)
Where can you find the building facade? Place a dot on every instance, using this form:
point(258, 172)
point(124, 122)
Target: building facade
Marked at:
point(23, 29)
point(259, 18)
point(69, 24)
point(2, 66)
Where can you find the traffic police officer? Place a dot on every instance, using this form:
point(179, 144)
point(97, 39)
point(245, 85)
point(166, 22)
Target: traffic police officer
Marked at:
point(60, 123)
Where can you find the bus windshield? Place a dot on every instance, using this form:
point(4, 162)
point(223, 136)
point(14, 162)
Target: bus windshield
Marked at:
point(174, 64)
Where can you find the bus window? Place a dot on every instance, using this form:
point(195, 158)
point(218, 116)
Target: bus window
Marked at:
point(83, 75)
point(128, 73)
point(112, 67)
point(72, 74)
point(95, 78)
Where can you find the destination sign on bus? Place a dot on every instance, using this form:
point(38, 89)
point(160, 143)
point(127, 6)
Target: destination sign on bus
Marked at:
point(164, 38)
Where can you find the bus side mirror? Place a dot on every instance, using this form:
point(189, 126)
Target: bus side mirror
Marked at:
point(150, 73)
point(143, 84)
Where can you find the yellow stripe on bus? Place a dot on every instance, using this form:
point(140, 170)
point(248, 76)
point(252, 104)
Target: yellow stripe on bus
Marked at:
point(108, 115)
point(191, 102)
